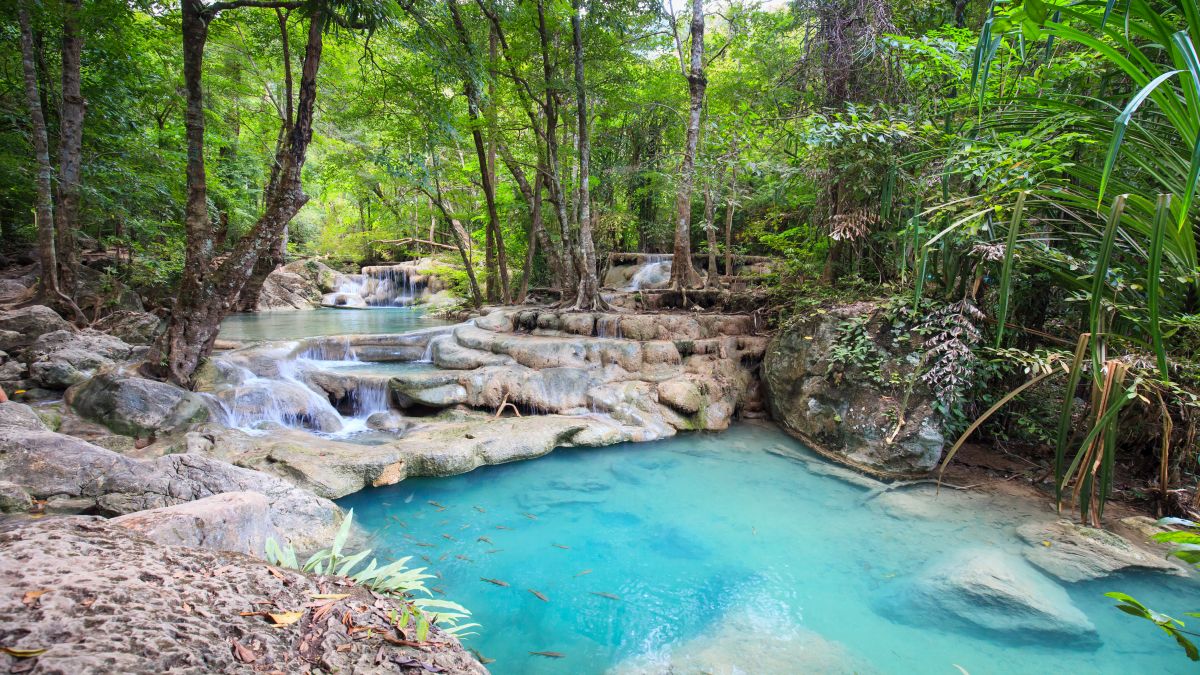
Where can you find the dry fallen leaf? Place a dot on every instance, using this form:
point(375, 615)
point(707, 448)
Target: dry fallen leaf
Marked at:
point(31, 597)
point(276, 573)
point(22, 653)
point(244, 653)
point(285, 618)
point(330, 596)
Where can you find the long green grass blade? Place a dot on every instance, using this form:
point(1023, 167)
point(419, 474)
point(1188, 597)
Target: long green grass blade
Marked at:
point(1099, 283)
point(1122, 124)
point(1162, 215)
point(922, 256)
point(1064, 417)
point(1010, 246)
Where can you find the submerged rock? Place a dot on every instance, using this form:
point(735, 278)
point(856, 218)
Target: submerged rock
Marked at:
point(115, 602)
point(135, 406)
point(852, 411)
point(1074, 552)
point(993, 592)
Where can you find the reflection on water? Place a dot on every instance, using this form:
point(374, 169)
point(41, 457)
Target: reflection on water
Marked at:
point(292, 325)
point(706, 553)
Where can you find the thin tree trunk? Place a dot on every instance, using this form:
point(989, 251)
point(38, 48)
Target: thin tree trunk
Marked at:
point(588, 296)
point(681, 263)
point(710, 231)
point(44, 211)
point(729, 207)
point(70, 149)
point(535, 231)
point(553, 177)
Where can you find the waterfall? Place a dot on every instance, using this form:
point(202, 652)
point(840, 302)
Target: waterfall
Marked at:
point(655, 270)
point(382, 286)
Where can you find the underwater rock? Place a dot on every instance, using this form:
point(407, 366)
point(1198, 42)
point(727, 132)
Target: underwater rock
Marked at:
point(231, 521)
point(62, 358)
point(1074, 552)
point(116, 602)
point(852, 411)
point(985, 589)
point(135, 406)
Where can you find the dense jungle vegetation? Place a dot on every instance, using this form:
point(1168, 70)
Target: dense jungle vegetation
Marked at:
point(1019, 177)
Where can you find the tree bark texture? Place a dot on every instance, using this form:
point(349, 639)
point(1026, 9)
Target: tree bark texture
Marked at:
point(44, 210)
point(70, 149)
point(681, 265)
point(588, 296)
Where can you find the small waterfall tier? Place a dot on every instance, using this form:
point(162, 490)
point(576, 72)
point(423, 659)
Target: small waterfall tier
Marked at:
point(400, 285)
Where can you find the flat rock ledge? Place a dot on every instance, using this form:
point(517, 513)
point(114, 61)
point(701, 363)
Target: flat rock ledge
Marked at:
point(99, 598)
point(1074, 552)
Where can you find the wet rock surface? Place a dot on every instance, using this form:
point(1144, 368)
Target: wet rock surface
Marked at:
point(867, 419)
point(135, 406)
point(98, 598)
point(994, 591)
point(1074, 552)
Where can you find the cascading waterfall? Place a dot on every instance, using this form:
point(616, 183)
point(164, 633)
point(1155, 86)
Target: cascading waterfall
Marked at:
point(380, 286)
point(655, 270)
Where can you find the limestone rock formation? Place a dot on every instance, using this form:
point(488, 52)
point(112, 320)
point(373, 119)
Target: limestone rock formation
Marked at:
point(62, 358)
point(992, 591)
point(115, 602)
point(865, 417)
point(134, 327)
point(230, 521)
point(1074, 552)
point(296, 285)
point(20, 327)
point(135, 406)
point(72, 475)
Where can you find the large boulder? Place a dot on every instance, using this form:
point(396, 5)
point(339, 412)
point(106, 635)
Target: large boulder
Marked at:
point(231, 521)
point(1074, 552)
point(20, 327)
point(134, 327)
point(135, 406)
point(858, 414)
point(62, 358)
point(111, 601)
point(297, 285)
point(991, 591)
point(74, 475)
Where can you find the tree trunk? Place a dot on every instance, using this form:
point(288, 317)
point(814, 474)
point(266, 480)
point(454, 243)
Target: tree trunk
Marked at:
point(710, 230)
point(729, 206)
point(681, 263)
point(535, 231)
point(44, 211)
point(588, 296)
point(474, 98)
point(206, 295)
point(570, 257)
point(70, 149)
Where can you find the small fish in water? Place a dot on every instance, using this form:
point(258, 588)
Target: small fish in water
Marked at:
point(495, 550)
point(501, 527)
point(426, 558)
point(465, 526)
point(421, 543)
point(437, 574)
point(446, 536)
point(538, 595)
point(583, 573)
point(530, 516)
point(480, 657)
point(433, 503)
point(386, 503)
point(443, 557)
point(408, 499)
point(550, 655)
point(565, 548)
point(610, 596)
point(479, 509)
point(463, 557)
point(442, 509)
point(437, 590)
point(484, 539)
point(494, 581)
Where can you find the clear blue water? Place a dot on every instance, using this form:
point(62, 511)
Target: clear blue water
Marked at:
point(723, 553)
point(296, 324)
